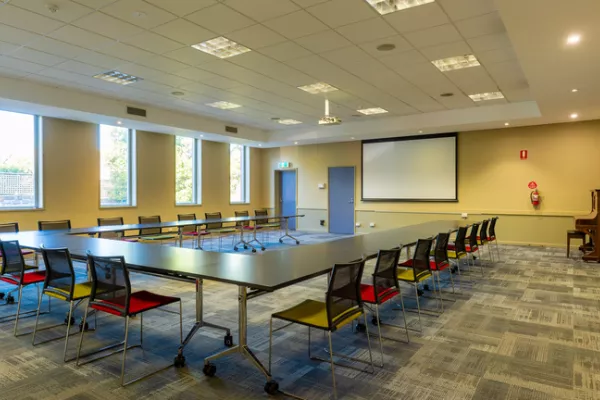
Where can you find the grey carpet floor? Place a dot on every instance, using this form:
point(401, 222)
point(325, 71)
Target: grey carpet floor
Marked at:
point(529, 329)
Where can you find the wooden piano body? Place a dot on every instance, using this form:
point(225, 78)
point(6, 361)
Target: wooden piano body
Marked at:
point(590, 224)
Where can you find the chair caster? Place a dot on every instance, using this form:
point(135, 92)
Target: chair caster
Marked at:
point(297, 242)
point(263, 248)
point(254, 250)
point(420, 292)
point(361, 328)
point(426, 287)
point(280, 241)
point(454, 270)
point(375, 321)
point(235, 249)
point(83, 327)
point(10, 299)
point(245, 247)
point(179, 361)
point(66, 321)
point(272, 387)
point(1, 296)
point(209, 370)
point(228, 340)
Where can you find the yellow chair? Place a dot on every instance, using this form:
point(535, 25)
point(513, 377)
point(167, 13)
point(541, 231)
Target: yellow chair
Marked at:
point(154, 234)
point(457, 250)
point(343, 304)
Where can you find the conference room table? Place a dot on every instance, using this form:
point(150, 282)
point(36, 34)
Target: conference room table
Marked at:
point(254, 275)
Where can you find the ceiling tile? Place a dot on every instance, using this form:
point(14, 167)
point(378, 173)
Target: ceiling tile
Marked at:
point(125, 52)
point(472, 80)
point(274, 69)
point(308, 3)
point(497, 55)
point(195, 74)
point(336, 13)
point(433, 36)
point(462, 9)
point(170, 80)
point(422, 74)
point(138, 12)
point(153, 87)
point(348, 55)
point(80, 37)
point(324, 41)
point(190, 56)
point(456, 102)
point(164, 64)
point(17, 17)
point(95, 4)
point(418, 99)
point(367, 30)
point(404, 58)
point(17, 36)
point(508, 75)
point(102, 60)
point(483, 25)
point(515, 95)
point(56, 47)
point(262, 10)
point(490, 42)
point(417, 18)
point(397, 40)
point(38, 57)
point(81, 68)
point(68, 11)
point(107, 26)
point(152, 42)
point(222, 83)
point(220, 19)
point(6, 48)
point(256, 36)
point(182, 7)
point(285, 51)
point(184, 32)
point(447, 50)
point(20, 65)
point(297, 24)
point(141, 71)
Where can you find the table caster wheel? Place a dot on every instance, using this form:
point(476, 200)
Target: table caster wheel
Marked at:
point(263, 249)
point(10, 299)
point(425, 287)
point(245, 247)
point(254, 250)
point(1, 296)
point(272, 387)
point(374, 321)
point(66, 321)
point(209, 370)
point(179, 361)
point(235, 249)
point(361, 328)
point(280, 241)
point(83, 327)
point(228, 340)
point(297, 242)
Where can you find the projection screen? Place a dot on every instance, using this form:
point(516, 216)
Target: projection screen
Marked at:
point(414, 168)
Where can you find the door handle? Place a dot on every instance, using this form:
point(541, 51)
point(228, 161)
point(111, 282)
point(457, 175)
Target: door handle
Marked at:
point(351, 201)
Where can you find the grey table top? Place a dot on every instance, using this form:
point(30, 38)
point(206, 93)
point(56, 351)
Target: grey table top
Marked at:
point(267, 271)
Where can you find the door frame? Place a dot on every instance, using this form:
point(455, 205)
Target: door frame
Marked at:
point(277, 187)
point(328, 199)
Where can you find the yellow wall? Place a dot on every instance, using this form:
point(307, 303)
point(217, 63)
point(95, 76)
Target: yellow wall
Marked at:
point(71, 173)
point(563, 159)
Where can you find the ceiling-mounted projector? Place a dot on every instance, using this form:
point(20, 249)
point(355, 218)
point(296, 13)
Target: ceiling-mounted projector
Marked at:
point(328, 119)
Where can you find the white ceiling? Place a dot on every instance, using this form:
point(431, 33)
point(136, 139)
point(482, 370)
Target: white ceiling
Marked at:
point(293, 43)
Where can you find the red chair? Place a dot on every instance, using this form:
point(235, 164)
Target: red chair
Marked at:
point(192, 231)
point(111, 293)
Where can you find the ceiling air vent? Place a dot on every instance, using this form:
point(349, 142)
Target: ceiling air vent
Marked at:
point(140, 112)
point(231, 129)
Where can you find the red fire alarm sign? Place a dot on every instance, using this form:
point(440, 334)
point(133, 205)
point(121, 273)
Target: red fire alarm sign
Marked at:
point(532, 185)
point(523, 154)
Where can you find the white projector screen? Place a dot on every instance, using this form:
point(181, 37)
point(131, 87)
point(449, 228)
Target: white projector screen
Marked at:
point(415, 168)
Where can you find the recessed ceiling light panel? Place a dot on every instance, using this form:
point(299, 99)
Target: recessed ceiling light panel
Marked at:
point(372, 111)
point(223, 105)
point(454, 63)
point(319, 87)
point(289, 122)
point(486, 96)
point(221, 47)
point(389, 6)
point(118, 77)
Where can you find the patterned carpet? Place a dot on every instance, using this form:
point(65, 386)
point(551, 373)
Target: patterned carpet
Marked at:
point(530, 329)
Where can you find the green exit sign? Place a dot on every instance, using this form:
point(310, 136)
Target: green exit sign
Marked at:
point(284, 164)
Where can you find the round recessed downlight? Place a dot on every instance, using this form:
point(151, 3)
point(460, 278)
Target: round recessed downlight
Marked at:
point(574, 90)
point(574, 116)
point(386, 47)
point(138, 14)
point(573, 39)
point(507, 124)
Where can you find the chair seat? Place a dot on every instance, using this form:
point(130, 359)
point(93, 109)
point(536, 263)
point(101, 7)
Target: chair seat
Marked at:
point(436, 267)
point(408, 274)
point(251, 228)
point(158, 237)
point(80, 291)
point(131, 240)
point(139, 302)
point(196, 233)
point(367, 293)
point(28, 278)
point(314, 314)
point(452, 254)
point(221, 230)
point(273, 225)
point(25, 252)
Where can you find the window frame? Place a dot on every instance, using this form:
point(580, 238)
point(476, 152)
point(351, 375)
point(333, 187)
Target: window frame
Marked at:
point(245, 174)
point(38, 162)
point(131, 169)
point(196, 173)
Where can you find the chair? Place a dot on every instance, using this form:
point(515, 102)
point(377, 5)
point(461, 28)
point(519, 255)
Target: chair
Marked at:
point(385, 287)
point(54, 225)
point(343, 304)
point(245, 225)
point(471, 245)
point(217, 227)
point(457, 250)
point(264, 224)
point(492, 235)
point(153, 234)
point(111, 293)
point(417, 270)
point(120, 235)
point(192, 231)
point(14, 272)
point(482, 239)
point(440, 262)
point(29, 255)
point(60, 284)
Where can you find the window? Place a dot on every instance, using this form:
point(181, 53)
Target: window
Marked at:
point(239, 173)
point(188, 182)
point(20, 163)
point(117, 163)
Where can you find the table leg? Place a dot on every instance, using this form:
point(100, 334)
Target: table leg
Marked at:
point(255, 239)
point(287, 232)
point(180, 237)
point(243, 242)
point(200, 323)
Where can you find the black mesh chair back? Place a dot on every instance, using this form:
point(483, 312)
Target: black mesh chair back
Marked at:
point(420, 261)
point(187, 217)
point(343, 294)
point(108, 222)
point(384, 276)
point(483, 232)
point(59, 270)
point(154, 219)
point(9, 227)
point(461, 237)
point(110, 282)
point(472, 240)
point(12, 258)
point(261, 213)
point(492, 231)
point(241, 214)
point(213, 225)
point(440, 254)
point(54, 225)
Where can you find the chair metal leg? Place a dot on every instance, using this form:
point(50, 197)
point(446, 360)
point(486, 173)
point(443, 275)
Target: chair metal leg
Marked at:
point(125, 350)
point(439, 290)
point(180, 322)
point(418, 308)
point(332, 366)
point(368, 341)
point(68, 330)
point(37, 318)
point(271, 342)
point(87, 308)
point(497, 249)
point(379, 332)
point(18, 310)
point(141, 329)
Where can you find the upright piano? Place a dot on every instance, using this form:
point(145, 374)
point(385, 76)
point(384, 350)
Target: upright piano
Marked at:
point(590, 224)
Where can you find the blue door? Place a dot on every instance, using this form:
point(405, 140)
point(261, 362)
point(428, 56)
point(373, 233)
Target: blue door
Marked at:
point(288, 196)
point(341, 200)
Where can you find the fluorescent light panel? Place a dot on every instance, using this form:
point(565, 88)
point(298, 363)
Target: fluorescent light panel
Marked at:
point(486, 96)
point(372, 111)
point(319, 87)
point(289, 122)
point(389, 6)
point(221, 47)
point(454, 63)
point(223, 105)
point(118, 77)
